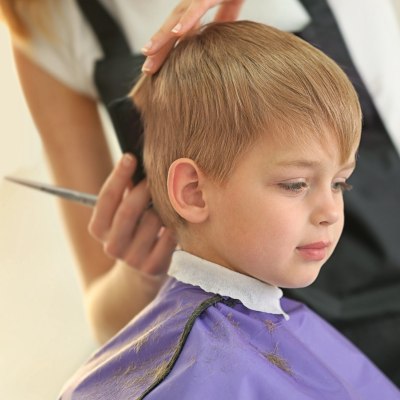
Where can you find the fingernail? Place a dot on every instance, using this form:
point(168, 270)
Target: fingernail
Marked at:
point(147, 47)
point(177, 28)
point(127, 160)
point(147, 65)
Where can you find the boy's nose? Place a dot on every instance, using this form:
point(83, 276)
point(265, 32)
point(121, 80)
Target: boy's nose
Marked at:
point(328, 209)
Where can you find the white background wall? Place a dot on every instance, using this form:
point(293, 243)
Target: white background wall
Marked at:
point(44, 335)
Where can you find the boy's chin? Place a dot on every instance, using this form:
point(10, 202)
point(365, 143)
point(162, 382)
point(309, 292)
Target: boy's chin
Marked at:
point(299, 283)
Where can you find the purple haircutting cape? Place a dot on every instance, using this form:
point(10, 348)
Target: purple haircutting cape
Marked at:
point(189, 344)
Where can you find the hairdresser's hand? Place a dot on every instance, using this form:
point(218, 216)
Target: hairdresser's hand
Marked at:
point(128, 229)
point(184, 17)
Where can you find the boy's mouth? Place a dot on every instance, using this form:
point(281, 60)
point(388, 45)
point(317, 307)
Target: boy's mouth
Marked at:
point(314, 251)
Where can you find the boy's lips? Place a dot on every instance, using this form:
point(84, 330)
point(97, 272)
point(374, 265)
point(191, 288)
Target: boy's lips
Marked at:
point(314, 251)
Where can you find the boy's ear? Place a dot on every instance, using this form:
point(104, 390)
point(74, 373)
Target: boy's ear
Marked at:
point(185, 190)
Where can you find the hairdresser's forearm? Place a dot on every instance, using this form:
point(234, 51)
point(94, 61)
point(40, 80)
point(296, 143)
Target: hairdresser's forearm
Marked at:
point(79, 158)
point(77, 152)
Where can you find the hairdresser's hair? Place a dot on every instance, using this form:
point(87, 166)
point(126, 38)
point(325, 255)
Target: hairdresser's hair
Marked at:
point(224, 86)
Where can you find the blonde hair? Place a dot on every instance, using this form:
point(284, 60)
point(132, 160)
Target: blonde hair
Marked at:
point(228, 84)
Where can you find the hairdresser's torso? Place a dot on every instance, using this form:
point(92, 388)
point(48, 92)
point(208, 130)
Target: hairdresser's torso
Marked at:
point(71, 55)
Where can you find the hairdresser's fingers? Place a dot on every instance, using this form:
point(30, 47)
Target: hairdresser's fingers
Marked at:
point(168, 32)
point(153, 63)
point(110, 197)
point(163, 40)
point(147, 235)
point(160, 257)
point(126, 220)
point(229, 11)
point(185, 17)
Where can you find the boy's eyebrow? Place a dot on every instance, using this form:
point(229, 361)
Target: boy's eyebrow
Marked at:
point(310, 164)
point(299, 163)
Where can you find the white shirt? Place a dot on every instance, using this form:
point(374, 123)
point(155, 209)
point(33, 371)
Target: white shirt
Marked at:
point(213, 278)
point(371, 30)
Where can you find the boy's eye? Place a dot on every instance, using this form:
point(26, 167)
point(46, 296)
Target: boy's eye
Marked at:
point(293, 186)
point(341, 186)
point(298, 187)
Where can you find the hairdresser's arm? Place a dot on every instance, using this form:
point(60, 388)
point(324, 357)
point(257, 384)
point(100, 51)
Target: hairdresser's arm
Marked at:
point(185, 16)
point(79, 158)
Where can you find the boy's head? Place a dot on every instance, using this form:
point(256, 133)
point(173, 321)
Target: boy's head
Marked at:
point(244, 98)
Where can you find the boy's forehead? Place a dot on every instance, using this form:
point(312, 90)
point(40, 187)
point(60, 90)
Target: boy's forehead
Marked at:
point(305, 152)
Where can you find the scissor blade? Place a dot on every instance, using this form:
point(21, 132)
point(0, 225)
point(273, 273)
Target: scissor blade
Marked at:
point(73, 195)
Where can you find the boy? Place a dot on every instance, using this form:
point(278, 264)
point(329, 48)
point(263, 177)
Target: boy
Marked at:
point(250, 137)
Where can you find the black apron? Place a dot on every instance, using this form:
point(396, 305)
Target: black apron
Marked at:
point(358, 290)
point(114, 77)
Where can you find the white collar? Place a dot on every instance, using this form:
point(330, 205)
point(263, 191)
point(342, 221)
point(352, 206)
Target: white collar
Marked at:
point(213, 278)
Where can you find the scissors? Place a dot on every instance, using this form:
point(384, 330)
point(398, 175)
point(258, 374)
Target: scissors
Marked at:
point(86, 199)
